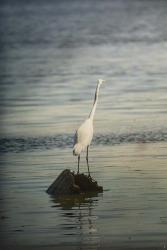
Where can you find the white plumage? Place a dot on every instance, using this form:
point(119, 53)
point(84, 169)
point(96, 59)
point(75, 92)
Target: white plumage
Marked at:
point(84, 133)
point(83, 137)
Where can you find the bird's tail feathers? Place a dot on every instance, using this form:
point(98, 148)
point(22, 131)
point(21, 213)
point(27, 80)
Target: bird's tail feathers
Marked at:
point(77, 149)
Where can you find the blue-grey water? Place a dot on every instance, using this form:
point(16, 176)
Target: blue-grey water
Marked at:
point(51, 55)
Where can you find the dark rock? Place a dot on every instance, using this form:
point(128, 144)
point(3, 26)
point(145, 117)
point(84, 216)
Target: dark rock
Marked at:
point(87, 184)
point(68, 183)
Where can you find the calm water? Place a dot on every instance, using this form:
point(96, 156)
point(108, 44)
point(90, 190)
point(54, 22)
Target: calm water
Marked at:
point(51, 57)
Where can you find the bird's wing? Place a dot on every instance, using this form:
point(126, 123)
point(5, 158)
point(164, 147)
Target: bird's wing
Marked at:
point(84, 133)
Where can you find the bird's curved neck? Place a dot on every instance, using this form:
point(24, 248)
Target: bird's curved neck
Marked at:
point(92, 113)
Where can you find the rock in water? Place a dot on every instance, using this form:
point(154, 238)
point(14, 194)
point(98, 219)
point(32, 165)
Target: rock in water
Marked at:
point(70, 183)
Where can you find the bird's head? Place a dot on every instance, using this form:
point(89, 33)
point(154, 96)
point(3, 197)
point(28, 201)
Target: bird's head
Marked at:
point(100, 81)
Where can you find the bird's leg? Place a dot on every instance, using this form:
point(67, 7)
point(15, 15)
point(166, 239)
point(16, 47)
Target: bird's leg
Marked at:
point(78, 163)
point(87, 161)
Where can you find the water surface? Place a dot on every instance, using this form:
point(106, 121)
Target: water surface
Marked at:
point(51, 57)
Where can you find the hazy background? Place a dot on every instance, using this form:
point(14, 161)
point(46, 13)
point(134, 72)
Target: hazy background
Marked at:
point(53, 52)
point(51, 55)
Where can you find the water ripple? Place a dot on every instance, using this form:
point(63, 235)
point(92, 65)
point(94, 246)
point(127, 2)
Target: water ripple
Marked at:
point(24, 144)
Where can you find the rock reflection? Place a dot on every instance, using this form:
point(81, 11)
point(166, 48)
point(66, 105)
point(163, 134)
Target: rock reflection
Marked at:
point(80, 219)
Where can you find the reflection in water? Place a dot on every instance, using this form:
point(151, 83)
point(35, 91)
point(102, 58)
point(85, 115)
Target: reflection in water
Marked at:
point(78, 210)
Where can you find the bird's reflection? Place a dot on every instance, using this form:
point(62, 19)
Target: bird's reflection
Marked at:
point(80, 209)
point(71, 201)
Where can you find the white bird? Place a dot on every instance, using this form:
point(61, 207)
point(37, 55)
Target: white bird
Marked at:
point(84, 133)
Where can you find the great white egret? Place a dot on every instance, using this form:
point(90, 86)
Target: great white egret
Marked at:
point(84, 133)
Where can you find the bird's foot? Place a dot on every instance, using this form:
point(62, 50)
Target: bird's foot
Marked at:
point(89, 176)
